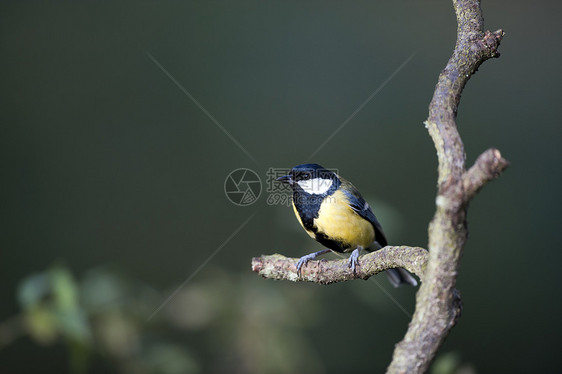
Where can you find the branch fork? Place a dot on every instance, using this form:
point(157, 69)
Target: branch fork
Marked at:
point(438, 304)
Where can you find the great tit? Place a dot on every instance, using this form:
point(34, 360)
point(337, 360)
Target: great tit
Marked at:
point(333, 212)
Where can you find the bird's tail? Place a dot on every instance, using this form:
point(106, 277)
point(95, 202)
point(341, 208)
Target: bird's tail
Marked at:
point(400, 276)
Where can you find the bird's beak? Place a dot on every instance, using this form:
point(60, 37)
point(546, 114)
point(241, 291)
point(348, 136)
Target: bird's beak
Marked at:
point(285, 179)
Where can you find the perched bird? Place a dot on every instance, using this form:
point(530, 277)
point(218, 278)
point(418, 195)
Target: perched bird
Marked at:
point(333, 212)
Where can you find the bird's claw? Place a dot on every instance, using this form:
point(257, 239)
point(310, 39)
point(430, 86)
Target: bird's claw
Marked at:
point(304, 259)
point(354, 259)
point(302, 262)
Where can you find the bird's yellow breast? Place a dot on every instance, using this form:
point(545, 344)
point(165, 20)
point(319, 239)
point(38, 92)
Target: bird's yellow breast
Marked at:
point(339, 222)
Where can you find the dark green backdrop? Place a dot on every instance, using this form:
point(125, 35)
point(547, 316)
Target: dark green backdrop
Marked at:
point(112, 172)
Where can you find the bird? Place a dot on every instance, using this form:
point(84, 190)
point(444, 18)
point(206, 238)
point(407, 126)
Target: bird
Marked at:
point(333, 212)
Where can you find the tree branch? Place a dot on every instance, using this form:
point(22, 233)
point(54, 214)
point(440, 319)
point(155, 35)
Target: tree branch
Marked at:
point(279, 267)
point(438, 304)
point(488, 166)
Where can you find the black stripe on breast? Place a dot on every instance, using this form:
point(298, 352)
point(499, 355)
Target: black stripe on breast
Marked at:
point(308, 207)
point(334, 245)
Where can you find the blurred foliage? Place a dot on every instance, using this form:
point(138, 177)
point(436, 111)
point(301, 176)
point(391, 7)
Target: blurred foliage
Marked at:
point(450, 363)
point(51, 307)
point(249, 328)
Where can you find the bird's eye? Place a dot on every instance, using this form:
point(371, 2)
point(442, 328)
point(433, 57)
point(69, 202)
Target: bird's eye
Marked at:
point(305, 176)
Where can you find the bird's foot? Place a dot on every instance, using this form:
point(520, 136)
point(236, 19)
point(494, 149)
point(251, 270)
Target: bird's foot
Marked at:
point(304, 259)
point(354, 259)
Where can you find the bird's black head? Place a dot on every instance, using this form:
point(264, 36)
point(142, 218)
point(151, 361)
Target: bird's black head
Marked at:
point(311, 179)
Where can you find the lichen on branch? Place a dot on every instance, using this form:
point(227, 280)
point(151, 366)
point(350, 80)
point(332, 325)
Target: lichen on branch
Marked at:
point(438, 303)
point(279, 267)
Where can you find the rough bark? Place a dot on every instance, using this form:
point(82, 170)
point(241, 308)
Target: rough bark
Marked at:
point(438, 303)
point(276, 266)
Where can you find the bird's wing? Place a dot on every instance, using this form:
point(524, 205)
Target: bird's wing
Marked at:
point(361, 207)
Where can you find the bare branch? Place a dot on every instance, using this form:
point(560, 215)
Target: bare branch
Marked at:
point(276, 266)
point(438, 304)
point(488, 166)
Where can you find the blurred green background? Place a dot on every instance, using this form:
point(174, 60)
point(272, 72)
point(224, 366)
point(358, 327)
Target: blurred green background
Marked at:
point(113, 178)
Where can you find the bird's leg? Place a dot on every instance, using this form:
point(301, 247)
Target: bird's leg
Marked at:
point(354, 258)
point(304, 259)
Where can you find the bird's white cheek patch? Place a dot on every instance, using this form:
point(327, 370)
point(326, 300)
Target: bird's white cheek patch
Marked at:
point(316, 186)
